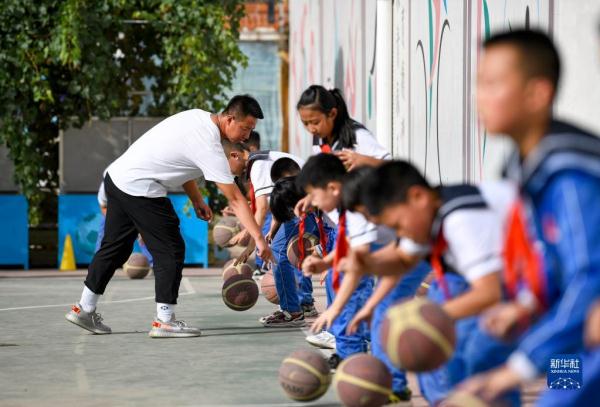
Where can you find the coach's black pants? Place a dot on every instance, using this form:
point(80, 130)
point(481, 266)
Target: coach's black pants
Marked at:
point(156, 221)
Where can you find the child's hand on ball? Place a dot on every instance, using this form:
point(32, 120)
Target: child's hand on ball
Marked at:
point(365, 314)
point(325, 320)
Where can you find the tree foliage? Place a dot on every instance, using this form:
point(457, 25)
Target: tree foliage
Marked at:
point(63, 62)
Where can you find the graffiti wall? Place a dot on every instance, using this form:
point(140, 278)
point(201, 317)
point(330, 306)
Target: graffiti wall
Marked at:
point(436, 50)
point(332, 43)
point(439, 47)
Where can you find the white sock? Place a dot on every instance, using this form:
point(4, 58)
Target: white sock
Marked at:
point(88, 300)
point(165, 312)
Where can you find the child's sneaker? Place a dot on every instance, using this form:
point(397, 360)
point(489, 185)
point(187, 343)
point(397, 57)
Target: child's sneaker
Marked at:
point(172, 329)
point(334, 361)
point(323, 340)
point(92, 321)
point(274, 314)
point(310, 311)
point(284, 319)
point(404, 395)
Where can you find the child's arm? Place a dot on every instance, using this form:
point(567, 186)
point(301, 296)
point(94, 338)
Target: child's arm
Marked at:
point(315, 265)
point(484, 292)
point(385, 286)
point(202, 210)
point(349, 284)
point(273, 229)
point(262, 207)
point(391, 260)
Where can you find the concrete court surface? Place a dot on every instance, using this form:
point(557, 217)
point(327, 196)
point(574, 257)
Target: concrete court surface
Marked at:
point(45, 360)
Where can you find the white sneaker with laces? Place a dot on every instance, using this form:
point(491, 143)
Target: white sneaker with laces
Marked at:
point(323, 340)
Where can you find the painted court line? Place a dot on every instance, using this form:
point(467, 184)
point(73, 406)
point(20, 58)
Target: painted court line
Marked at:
point(101, 302)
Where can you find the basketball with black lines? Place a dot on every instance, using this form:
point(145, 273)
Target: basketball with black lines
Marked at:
point(362, 381)
point(241, 268)
point(418, 335)
point(293, 248)
point(137, 266)
point(239, 292)
point(304, 375)
point(225, 229)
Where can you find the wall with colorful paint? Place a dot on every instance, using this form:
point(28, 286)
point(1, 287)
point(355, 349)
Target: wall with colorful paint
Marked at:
point(332, 43)
point(436, 50)
point(437, 47)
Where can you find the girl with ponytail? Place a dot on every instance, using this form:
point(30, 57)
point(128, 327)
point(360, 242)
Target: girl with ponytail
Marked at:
point(325, 115)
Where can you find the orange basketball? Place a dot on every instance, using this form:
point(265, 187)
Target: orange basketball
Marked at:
point(239, 292)
point(226, 228)
point(293, 248)
point(231, 270)
point(267, 287)
point(304, 375)
point(362, 380)
point(137, 266)
point(418, 335)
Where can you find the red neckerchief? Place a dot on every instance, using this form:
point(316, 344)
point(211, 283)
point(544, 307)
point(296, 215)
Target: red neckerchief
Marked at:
point(322, 235)
point(301, 227)
point(439, 247)
point(522, 262)
point(341, 250)
point(325, 148)
point(252, 197)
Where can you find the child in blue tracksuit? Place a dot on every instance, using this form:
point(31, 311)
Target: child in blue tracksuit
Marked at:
point(284, 197)
point(323, 178)
point(458, 230)
point(387, 292)
point(557, 168)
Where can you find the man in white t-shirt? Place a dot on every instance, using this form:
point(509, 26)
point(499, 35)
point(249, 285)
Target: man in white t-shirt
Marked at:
point(173, 153)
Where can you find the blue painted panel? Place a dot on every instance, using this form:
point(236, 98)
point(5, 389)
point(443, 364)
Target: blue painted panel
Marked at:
point(14, 231)
point(79, 216)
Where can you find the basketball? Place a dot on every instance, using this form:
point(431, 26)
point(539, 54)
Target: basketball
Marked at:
point(362, 380)
point(239, 292)
point(230, 270)
point(418, 335)
point(293, 249)
point(245, 241)
point(304, 375)
point(137, 266)
point(226, 228)
point(268, 289)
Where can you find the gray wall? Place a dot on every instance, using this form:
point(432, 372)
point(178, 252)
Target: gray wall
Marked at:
point(85, 153)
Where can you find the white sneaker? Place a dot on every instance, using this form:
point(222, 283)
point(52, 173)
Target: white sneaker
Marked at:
point(323, 340)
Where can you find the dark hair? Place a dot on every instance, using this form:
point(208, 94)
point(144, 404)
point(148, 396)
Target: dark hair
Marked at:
point(389, 185)
point(283, 199)
point(354, 182)
point(242, 185)
point(538, 53)
point(253, 140)
point(241, 106)
point(283, 166)
point(320, 170)
point(344, 128)
point(228, 146)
